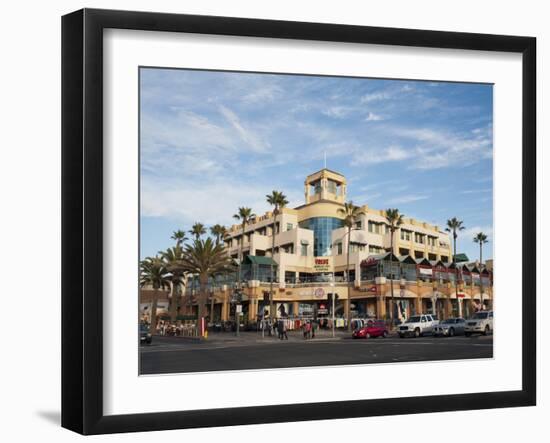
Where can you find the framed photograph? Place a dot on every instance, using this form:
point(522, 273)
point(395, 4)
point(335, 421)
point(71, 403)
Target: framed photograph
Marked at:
point(269, 221)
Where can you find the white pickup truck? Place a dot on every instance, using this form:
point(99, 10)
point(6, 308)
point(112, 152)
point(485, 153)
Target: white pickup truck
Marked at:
point(417, 325)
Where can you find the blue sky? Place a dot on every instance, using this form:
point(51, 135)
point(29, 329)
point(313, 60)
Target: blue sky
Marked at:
point(214, 141)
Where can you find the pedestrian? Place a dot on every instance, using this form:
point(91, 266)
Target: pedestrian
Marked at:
point(285, 336)
point(307, 329)
point(313, 329)
point(280, 329)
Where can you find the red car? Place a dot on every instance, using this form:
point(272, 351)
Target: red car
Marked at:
point(374, 328)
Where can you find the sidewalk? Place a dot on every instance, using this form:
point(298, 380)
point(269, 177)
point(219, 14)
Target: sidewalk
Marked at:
point(256, 336)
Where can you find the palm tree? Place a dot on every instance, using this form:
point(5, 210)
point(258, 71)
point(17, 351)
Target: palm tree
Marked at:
point(197, 230)
point(243, 215)
point(172, 257)
point(394, 219)
point(219, 232)
point(278, 200)
point(179, 236)
point(351, 214)
point(153, 273)
point(480, 238)
point(206, 259)
point(455, 225)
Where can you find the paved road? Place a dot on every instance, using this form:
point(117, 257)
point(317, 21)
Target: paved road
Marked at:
point(176, 355)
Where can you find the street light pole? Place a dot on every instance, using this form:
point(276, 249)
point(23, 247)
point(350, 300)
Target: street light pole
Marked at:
point(333, 306)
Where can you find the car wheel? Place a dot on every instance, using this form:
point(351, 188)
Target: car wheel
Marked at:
point(451, 332)
point(401, 335)
point(467, 334)
point(385, 334)
point(486, 331)
point(417, 332)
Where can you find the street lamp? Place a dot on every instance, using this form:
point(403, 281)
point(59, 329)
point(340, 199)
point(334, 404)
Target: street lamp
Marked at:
point(333, 296)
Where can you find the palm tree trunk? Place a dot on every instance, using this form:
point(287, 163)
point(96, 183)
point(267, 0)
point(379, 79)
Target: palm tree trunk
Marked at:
point(459, 311)
point(201, 302)
point(392, 302)
point(348, 304)
point(174, 302)
point(480, 276)
point(271, 313)
point(153, 327)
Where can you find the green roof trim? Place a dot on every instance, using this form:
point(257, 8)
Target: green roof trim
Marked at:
point(461, 257)
point(260, 260)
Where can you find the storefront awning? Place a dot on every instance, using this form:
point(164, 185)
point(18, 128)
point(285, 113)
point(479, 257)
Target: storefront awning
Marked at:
point(260, 260)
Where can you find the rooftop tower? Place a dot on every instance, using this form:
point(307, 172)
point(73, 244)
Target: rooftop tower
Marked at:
point(325, 185)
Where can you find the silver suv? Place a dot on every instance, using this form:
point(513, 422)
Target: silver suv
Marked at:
point(481, 322)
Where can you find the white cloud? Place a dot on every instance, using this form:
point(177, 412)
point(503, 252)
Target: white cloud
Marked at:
point(337, 111)
point(372, 117)
point(265, 93)
point(376, 156)
point(439, 148)
point(404, 199)
point(375, 96)
point(248, 136)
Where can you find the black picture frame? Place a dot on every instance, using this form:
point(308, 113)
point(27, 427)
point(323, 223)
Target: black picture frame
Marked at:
point(82, 215)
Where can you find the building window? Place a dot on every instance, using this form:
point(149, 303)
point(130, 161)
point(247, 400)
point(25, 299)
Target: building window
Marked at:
point(376, 228)
point(405, 235)
point(358, 224)
point(304, 250)
point(339, 248)
point(419, 238)
point(289, 226)
point(322, 228)
point(375, 249)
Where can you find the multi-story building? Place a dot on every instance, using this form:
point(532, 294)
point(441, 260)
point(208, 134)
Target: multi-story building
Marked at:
point(310, 259)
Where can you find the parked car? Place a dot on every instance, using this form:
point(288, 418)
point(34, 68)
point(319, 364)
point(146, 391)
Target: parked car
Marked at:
point(450, 327)
point(481, 322)
point(145, 335)
point(372, 328)
point(417, 325)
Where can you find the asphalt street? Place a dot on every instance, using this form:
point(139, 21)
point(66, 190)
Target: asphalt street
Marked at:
point(250, 351)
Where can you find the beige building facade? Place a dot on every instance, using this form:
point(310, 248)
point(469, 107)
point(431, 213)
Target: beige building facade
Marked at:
point(310, 260)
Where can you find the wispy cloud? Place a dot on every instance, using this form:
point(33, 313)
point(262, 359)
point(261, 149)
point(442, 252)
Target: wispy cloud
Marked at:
point(408, 198)
point(247, 135)
point(372, 117)
point(212, 141)
point(382, 155)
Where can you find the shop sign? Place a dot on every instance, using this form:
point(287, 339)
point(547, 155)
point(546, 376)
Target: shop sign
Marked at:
point(322, 264)
point(425, 271)
point(319, 293)
point(305, 309)
point(369, 262)
point(369, 289)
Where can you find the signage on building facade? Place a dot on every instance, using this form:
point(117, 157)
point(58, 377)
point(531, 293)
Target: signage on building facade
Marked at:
point(368, 289)
point(319, 293)
point(369, 262)
point(425, 271)
point(322, 264)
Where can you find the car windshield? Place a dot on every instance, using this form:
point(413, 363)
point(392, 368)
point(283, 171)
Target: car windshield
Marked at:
point(448, 321)
point(480, 315)
point(414, 319)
